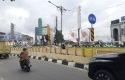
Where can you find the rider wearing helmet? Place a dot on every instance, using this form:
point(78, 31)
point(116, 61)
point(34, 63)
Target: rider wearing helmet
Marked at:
point(24, 54)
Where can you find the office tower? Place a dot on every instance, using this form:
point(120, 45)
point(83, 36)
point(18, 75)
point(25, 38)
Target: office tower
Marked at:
point(40, 26)
point(36, 33)
point(12, 32)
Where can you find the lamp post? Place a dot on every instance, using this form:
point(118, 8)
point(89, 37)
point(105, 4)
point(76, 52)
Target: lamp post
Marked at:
point(79, 24)
point(61, 11)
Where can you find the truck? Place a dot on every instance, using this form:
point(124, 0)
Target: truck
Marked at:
point(5, 49)
point(107, 67)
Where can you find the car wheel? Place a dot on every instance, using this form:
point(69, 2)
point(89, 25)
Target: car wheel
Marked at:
point(103, 75)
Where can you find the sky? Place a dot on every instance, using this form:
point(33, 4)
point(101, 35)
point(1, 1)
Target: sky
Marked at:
point(25, 13)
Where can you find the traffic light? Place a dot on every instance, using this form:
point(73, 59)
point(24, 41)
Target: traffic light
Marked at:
point(92, 34)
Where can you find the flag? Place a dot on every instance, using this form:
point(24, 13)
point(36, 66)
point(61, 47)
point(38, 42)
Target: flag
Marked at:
point(73, 34)
point(84, 34)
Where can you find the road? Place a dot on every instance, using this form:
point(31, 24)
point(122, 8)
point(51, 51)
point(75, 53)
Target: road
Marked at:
point(41, 70)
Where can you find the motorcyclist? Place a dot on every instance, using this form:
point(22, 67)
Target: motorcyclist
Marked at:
point(24, 54)
point(24, 57)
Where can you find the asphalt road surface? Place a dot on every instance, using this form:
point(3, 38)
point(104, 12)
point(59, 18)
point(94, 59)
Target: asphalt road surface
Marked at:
point(41, 70)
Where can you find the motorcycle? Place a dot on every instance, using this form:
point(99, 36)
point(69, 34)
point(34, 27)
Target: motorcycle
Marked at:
point(25, 64)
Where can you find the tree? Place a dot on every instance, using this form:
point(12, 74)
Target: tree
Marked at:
point(42, 40)
point(58, 37)
point(47, 37)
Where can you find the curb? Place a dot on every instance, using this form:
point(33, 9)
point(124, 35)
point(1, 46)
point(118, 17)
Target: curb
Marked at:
point(63, 62)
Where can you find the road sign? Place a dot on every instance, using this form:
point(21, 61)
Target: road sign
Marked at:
point(92, 18)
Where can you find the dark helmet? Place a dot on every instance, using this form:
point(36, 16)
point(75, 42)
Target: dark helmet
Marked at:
point(24, 49)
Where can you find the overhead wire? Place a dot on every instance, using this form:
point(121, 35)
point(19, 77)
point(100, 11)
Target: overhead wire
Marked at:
point(106, 8)
point(99, 10)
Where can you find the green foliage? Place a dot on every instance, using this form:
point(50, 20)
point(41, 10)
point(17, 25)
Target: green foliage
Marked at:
point(47, 37)
point(58, 37)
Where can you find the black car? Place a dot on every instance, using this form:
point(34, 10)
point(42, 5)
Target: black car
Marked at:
point(107, 67)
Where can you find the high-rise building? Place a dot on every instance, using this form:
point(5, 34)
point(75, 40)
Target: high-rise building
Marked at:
point(41, 32)
point(12, 32)
point(40, 26)
point(36, 33)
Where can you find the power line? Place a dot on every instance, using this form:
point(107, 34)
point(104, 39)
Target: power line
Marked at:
point(102, 8)
point(106, 8)
point(62, 9)
point(111, 7)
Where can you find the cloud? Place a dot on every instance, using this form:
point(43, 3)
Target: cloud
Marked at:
point(24, 14)
point(17, 12)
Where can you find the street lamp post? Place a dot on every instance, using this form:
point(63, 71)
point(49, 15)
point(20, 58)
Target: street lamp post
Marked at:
point(61, 11)
point(78, 36)
point(61, 19)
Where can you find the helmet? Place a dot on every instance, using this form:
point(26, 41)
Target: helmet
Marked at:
point(24, 49)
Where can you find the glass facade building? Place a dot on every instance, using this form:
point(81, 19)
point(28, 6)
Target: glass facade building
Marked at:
point(40, 26)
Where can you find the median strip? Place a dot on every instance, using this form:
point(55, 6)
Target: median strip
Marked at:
point(63, 62)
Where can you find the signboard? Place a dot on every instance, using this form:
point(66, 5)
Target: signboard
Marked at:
point(92, 18)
